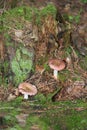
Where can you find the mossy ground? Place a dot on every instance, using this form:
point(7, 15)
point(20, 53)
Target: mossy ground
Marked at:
point(45, 115)
point(42, 112)
point(15, 18)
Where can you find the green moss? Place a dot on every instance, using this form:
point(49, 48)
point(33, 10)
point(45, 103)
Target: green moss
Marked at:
point(40, 98)
point(49, 9)
point(22, 65)
point(66, 117)
point(45, 116)
point(84, 1)
point(15, 18)
point(10, 110)
point(35, 120)
point(8, 40)
point(64, 75)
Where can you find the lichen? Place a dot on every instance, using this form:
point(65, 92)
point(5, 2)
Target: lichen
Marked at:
point(22, 64)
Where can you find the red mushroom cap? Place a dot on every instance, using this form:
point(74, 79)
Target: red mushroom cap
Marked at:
point(57, 64)
point(27, 88)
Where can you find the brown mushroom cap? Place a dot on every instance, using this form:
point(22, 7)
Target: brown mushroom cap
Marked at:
point(27, 88)
point(57, 64)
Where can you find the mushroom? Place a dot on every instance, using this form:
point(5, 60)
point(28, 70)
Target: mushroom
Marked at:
point(27, 89)
point(56, 65)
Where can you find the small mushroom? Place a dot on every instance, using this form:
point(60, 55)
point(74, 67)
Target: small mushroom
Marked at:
point(27, 89)
point(56, 65)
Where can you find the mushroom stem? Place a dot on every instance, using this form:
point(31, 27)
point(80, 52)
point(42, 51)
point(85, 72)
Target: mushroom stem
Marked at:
point(55, 73)
point(25, 96)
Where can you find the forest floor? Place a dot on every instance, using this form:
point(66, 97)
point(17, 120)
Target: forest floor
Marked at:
point(60, 104)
